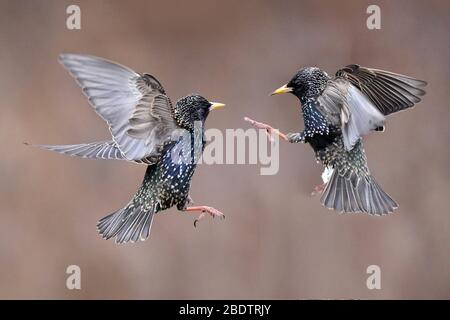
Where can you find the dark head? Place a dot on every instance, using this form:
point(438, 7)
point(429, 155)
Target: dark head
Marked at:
point(194, 108)
point(307, 82)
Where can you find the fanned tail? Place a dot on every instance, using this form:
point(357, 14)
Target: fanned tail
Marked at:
point(348, 193)
point(128, 224)
point(134, 221)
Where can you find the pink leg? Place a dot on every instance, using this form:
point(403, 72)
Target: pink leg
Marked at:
point(269, 130)
point(204, 211)
point(318, 189)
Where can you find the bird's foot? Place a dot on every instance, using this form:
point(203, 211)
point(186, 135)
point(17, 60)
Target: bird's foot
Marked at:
point(269, 129)
point(318, 189)
point(189, 200)
point(205, 210)
point(296, 137)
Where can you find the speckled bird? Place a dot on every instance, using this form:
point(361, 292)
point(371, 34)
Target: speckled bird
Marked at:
point(337, 113)
point(146, 128)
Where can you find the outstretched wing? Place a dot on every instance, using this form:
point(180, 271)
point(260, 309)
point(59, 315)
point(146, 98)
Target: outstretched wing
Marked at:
point(94, 150)
point(136, 107)
point(389, 92)
point(358, 98)
point(346, 107)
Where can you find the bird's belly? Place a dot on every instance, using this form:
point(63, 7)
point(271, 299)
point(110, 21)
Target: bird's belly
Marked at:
point(321, 141)
point(170, 178)
point(174, 183)
point(327, 154)
point(336, 156)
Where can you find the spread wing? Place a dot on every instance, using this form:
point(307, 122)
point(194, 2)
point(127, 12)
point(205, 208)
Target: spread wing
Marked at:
point(94, 150)
point(136, 107)
point(389, 92)
point(358, 98)
point(346, 107)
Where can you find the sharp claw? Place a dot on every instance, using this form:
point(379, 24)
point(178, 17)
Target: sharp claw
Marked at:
point(211, 211)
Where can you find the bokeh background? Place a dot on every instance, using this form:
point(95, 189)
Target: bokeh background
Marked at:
point(277, 241)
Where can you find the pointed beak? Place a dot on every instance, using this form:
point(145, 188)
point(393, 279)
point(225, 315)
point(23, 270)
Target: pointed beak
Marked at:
point(216, 105)
point(283, 89)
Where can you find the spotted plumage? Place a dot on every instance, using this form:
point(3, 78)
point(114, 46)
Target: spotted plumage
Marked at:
point(146, 128)
point(337, 113)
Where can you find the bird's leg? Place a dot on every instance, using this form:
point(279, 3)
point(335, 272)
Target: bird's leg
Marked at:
point(269, 130)
point(326, 176)
point(204, 211)
point(318, 189)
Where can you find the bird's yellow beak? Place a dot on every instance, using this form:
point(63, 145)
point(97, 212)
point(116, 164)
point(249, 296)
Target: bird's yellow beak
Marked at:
point(283, 89)
point(216, 105)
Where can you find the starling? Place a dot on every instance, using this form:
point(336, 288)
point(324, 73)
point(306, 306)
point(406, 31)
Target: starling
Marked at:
point(337, 113)
point(145, 128)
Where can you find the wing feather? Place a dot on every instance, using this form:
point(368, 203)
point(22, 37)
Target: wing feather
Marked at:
point(136, 108)
point(346, 107)
point(358, 98)
point(389, 92)
point(94, 150)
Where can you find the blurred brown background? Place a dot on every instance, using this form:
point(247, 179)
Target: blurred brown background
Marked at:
point(277, 241)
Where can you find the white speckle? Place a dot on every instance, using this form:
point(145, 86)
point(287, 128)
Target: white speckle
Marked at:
point(326, 174)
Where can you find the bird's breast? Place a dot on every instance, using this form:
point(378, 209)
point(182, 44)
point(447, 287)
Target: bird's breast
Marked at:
point(319, 133)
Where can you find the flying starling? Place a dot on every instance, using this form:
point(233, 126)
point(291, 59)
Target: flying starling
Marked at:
point(145, 128)
point(337, 113)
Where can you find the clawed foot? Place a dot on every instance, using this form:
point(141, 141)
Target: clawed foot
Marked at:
point(296, 137)
point(189, 200)
point(318, 189)
point(269, 130)
point(205, 210)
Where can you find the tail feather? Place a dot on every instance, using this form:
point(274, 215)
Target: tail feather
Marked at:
point(363, 195)
point(352, 199)
point(131, 223)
